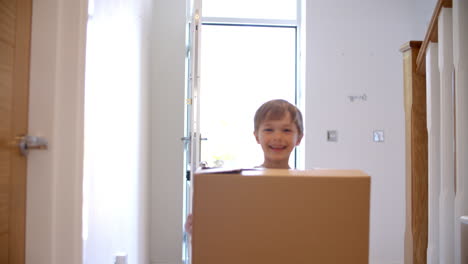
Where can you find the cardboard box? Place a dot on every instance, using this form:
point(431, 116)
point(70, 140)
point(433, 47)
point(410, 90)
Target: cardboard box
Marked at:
point(281, 216)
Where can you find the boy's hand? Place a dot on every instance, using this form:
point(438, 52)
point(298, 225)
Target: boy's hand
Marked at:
point(188, 224)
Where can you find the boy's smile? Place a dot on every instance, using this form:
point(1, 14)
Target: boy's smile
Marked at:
point(278, 138)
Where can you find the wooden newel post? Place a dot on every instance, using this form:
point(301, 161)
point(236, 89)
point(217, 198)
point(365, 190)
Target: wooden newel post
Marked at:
point(416, 157)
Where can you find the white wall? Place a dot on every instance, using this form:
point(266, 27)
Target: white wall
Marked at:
point(167, 127)
point(116, 166)
point(422, 13)
point(353, 49)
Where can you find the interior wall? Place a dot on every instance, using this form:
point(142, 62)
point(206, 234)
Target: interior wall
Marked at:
point(116, 163)
point(167, 127)
point(422, 11)
point(355, 86)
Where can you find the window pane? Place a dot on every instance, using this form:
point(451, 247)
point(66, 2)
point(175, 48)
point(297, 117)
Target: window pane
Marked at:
point(266, 9)
point(242, 67)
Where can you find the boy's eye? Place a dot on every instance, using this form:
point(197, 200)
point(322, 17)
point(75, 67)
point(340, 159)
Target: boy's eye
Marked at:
point(268, 130)
point(287, 130)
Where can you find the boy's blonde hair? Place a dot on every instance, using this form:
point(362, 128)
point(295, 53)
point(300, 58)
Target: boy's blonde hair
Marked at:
point(275, 110)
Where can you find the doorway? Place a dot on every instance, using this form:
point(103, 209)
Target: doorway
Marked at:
point(240, 55)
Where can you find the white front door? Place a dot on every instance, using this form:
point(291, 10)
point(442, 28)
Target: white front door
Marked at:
point(240, 55)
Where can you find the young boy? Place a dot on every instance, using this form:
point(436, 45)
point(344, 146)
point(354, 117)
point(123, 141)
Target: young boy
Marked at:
point(278, 128)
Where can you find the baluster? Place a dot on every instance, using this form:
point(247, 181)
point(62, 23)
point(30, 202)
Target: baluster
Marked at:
point(460, 60)
point(447, 195)
point(433, 131)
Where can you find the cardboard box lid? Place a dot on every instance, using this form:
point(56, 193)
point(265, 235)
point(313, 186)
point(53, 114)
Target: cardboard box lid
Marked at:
point(281, 216)
point(319, 172)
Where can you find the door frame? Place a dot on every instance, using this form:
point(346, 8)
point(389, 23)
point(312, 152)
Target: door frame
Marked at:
point(56, 107)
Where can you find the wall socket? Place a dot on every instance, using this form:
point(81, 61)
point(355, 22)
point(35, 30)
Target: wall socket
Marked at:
point(332, 135)
point(121, 258)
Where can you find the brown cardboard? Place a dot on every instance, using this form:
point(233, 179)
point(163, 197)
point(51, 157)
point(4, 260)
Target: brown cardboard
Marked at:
point(281, 216)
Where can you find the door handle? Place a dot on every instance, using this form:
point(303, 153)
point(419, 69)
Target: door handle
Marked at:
point(25, 143)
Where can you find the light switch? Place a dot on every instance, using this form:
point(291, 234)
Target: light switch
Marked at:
point(378, 136)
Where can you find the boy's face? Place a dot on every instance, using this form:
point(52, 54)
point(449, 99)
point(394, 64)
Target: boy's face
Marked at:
point(278, 138)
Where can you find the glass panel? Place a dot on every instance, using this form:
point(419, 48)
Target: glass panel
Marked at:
point(242, 67)
point(266, 9)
